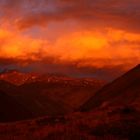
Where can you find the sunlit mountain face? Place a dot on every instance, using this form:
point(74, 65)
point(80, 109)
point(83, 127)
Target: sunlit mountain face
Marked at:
point(83, 38)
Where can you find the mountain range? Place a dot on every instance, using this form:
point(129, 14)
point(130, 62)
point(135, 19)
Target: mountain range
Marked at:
point(47, 94)
point(111, 112)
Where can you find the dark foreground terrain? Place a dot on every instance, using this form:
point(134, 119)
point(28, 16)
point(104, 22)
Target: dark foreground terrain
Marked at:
point(111, 124)
point(112, 113)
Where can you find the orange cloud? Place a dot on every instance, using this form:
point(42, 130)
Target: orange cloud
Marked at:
point(97, 49)
point(85, 34)
point(13, 45)
point(85, 48)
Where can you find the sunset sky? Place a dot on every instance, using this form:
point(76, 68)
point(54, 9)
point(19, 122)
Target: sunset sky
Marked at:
point(99, 38)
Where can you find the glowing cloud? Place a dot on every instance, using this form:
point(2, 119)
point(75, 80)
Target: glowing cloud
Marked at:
point(96, 34)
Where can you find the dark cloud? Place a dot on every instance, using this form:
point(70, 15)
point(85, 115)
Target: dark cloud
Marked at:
point(49, 65)
point(12, 10)
point(113, 13)
point(32, 20)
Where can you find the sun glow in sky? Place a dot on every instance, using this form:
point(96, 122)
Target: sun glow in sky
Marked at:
point(97, 36)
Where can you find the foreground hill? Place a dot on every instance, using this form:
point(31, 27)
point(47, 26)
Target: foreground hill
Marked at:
point(115, 124)
point(123, 91)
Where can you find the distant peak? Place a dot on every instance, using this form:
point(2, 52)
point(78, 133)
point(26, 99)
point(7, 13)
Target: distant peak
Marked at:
point(138, 66)
point(9, 71)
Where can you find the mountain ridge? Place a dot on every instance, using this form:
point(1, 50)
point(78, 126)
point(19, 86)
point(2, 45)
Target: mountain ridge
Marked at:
point(114, 89)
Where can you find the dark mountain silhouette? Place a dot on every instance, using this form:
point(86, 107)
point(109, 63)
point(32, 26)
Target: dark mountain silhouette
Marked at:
point(11, 110)
point(71, 92)
point(33, 101)
point(9, 88)
point(123, 91)
point(113, 113)
point(47, 94)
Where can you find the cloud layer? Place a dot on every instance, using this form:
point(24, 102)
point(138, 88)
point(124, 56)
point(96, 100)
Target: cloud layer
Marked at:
point(84, 34)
